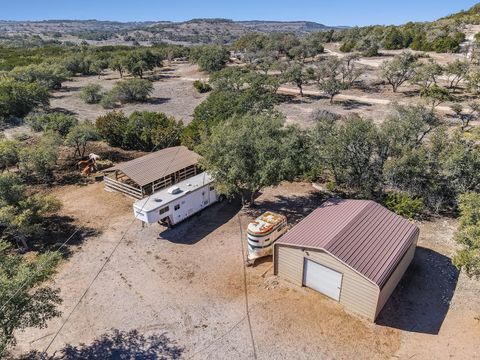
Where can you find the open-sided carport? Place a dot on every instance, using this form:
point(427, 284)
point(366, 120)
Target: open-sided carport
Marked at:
point(353, 251)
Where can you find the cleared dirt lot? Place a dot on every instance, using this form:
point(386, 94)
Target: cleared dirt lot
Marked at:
point(173, 93)
point(186, 284)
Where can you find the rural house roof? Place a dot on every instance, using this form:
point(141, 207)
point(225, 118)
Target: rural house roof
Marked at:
point(360, 233)
point(146, 169)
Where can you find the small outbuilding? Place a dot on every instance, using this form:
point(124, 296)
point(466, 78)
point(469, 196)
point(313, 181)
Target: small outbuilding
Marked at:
point(145, 175)
point(353, 251)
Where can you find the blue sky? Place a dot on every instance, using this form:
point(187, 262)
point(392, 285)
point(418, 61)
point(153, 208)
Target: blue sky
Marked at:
point(337, 12)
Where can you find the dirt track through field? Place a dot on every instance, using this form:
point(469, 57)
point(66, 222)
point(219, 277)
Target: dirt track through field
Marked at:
point(363, 99)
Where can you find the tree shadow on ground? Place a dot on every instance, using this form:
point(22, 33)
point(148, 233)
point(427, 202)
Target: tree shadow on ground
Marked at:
point(198, 226)
point(157, 100)
point(57, 229)
point(411, 93)
point(297, 99)
point(68, 89)
point(63, 111)
point(354, 104)
point(163, 76)
point(369, 87)
point(422, 298)
point(294, 207)
point(116, 345)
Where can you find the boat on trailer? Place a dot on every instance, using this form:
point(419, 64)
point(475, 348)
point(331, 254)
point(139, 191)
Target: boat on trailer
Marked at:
point(262, 234)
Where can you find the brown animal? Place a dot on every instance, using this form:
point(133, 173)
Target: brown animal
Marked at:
point(89, 169)
point(88, 166)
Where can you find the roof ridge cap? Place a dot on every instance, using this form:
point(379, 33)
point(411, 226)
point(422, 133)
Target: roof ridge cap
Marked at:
point(368, 205)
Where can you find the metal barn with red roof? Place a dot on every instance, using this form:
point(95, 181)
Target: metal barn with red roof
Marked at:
point(353, 251)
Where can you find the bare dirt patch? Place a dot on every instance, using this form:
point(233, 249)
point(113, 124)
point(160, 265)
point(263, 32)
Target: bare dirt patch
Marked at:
point(173, 93)
point(187, 282)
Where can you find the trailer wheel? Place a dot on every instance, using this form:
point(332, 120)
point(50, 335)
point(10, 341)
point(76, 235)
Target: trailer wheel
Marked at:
point(221, 198)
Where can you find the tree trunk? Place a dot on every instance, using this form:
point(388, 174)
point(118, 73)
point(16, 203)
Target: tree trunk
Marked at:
point(331, 99)
point(301, 90)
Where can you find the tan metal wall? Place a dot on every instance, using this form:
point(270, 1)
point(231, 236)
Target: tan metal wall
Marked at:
point(396, 276)
point(357, 294)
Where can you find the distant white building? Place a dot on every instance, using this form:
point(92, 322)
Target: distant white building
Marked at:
point(175, 204)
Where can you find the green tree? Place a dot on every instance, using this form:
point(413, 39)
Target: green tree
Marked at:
point(406, 127)
point(434, 95)
point(456, 72)
point(427, 74)
point(328, 75)
point(55, 121)
point(393, 39)
point(331, 86)
point(468, 235)
point(26, 302)
point(139, 61)
point(210, 58)
point(351, 152)
point(247, 153)
point(41, 159)
point(18, 98)
point(111, 127)
point(142, 130)
point(22, 215)
point(47, 75)
point(79, 136)
point(117, 63)
point(473, 81)
point(146, 131)
point(399, 70)
point(297, 75)
point(220, 106)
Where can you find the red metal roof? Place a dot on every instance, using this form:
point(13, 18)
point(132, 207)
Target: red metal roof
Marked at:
point(361, 233)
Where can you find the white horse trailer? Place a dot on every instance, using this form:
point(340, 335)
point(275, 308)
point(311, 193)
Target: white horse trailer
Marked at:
point(175, 204)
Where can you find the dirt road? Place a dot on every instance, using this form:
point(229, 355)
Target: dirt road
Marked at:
point(286, 90)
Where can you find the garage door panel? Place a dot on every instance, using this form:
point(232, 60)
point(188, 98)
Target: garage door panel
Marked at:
point(322, 279)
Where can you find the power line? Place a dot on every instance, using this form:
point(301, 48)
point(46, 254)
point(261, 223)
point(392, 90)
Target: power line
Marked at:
point(247, 311)
point(247, 308)
point(106, 262)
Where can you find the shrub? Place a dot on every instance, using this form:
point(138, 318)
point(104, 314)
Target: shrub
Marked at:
point(468, 235)
point(347, 46)
point(91, 94)
point(403, 204)
point(111, 127)
point(331, 185)
point(48, 75)
point(201, 87)
point(40, 160)
point(132, 90)
point(56, 121)
point(9, 150)
point(108, 101)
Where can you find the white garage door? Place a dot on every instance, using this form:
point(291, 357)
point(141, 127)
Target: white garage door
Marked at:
point(322, 279)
